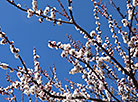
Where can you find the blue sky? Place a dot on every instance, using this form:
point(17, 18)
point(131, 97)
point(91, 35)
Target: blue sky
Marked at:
point(29, 33)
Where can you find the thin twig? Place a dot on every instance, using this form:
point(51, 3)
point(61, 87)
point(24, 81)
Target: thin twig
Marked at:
point(117, 8)
point(56, 20)
point(63, 9)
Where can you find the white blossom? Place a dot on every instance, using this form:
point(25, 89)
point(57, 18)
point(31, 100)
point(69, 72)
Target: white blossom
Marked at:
point(4, 66)
point(34, 5)
point(125, 22)
point(46, 11)
point(92, 33)
point(70, 8)
point(30, 13)
point(129, 14)
point(19, 5)
point(135, 3)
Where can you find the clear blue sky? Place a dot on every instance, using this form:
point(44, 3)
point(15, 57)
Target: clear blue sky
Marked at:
point(29, 33)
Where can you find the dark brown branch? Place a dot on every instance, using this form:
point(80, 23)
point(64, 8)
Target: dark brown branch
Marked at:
point(125, 71)
point(55, 20)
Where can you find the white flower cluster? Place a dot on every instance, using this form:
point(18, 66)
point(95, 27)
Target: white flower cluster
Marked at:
point(36, 63)
point(52, 13)
point(30, 13)
point(97, 20)
point(100, 60)
point(3, 41)
point(77, 68)
point(49, 13)
point(99, 39)
point(92, 33)
point(4, 66)
point(46, 11)
point(34, 5)
point(124, 36)
point(31, 86)
point(135, 3)
point(14, 50)
point(52, 44)
point(76, 93)
point(129, 7)
point(123, 88)
point(133, 42)
point(70, 7)
point(94, 82)
point(125, 22)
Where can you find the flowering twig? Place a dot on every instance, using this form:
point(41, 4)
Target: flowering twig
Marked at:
point(14, 50)
point(43, 16)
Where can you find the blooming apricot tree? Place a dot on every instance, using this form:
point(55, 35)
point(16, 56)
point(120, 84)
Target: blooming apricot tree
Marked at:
point(106, 79)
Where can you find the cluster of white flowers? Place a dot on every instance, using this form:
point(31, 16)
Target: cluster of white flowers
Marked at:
point(123, 88)
point(14, 50)
point(70, 7)
point(92, 33)
point(32, 85)
point(30, 13)
point(129, 7)
point(4, 66)
point(99, 39)
point(39, 12)
point(124, 36)
point(97, 20)
point(135, 3)
point(77, 68)
point(49, 13)
point(76, 93)
point(3, 41)
point(46, 11)
point(52, 13)
point(34, 5)
point(125, 22)
point(59, 21)
point(52, 44)
point(133, 42)
point(100, 60)
point(35, 10)
point(36, 63)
